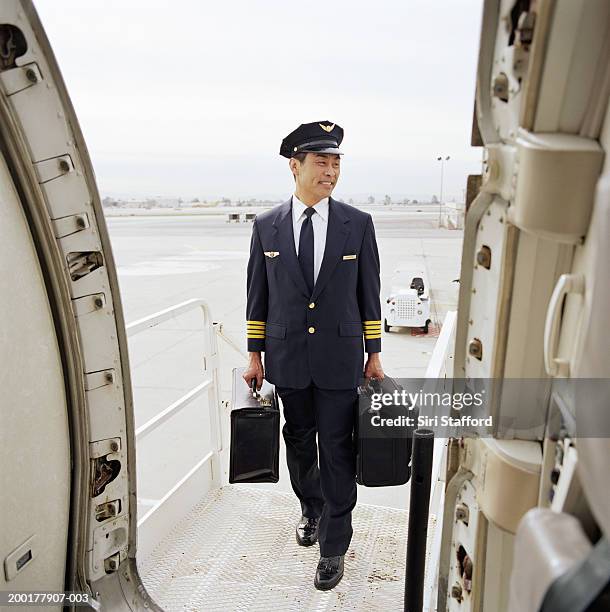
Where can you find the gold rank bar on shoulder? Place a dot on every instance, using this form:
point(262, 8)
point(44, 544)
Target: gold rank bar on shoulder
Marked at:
point(372, 329)
point(255, 329)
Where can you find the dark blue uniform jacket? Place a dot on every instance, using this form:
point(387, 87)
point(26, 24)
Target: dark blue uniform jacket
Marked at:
point(317, 337)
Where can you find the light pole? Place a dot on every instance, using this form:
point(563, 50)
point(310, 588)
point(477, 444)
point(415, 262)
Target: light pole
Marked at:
point(440, 203)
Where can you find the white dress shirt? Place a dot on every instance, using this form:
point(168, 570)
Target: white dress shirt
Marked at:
point(319, 222)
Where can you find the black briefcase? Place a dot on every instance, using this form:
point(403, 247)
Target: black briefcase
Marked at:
point(383, 457)
point(255, 432)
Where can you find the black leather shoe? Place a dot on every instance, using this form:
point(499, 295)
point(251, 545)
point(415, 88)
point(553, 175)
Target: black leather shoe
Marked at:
point(307, 531)
point(329, 573)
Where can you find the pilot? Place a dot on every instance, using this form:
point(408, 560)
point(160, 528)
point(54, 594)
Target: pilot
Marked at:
point(313, 308)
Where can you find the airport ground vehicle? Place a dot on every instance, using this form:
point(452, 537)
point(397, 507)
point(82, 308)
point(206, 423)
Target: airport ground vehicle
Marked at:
point(408, 304)
point(534, 300)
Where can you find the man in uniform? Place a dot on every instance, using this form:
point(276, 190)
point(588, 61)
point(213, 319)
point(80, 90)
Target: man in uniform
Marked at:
point(313, 293)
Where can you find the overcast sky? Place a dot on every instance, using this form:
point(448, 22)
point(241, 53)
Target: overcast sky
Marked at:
point(193, 98)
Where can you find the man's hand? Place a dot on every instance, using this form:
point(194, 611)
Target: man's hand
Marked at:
point(373, 368)
point(254, 370)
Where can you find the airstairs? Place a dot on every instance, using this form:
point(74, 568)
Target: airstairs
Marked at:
point(208, 546)
point(236, 550)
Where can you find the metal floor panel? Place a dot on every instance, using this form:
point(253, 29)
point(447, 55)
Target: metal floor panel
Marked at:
point(237, 551)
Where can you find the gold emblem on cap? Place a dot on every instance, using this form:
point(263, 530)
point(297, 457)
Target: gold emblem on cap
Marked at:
point(327, 128)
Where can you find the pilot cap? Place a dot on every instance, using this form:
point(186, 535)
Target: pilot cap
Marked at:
point(316, 137)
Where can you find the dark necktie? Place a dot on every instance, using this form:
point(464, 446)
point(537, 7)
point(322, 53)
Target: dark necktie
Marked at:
point(306, 248)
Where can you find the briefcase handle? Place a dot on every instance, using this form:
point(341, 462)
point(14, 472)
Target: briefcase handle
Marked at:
point(263, 401)
point(373, 385)
point(369, 385)
point(255, 393)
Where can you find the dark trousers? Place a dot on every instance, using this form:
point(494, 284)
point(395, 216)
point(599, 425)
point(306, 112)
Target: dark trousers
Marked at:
point(327, 490)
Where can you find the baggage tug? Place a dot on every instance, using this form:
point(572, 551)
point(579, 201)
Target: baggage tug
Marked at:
point(408, 304)
point(518, 522)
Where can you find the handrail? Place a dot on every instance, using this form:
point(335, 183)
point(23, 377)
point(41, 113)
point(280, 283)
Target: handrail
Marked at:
point(440, 367)
point(166, 314)
point(172, 409)
point(180, 498)
point(210, 349)
point(221, 334)
point(443, 349)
